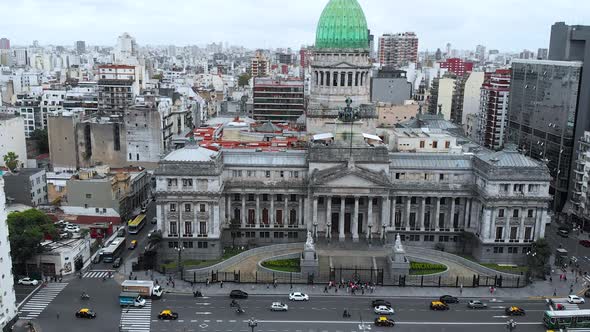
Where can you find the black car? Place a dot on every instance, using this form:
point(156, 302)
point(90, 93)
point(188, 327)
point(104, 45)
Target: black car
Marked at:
point(117, 263)
point(238, 294)
point(376, 303)
point(448, 299)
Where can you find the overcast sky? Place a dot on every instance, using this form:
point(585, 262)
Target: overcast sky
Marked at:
point(508, 25)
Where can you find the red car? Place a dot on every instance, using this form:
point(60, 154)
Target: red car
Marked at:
point(585, 243)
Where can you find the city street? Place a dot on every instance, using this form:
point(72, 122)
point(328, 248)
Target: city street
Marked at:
point(570, 244)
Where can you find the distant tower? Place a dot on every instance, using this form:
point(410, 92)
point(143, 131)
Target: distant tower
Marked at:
point(81, 47)
point(438, 54)
point(4, 44)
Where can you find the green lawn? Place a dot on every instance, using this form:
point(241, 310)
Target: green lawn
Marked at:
point(283, 265)
point(507, 269)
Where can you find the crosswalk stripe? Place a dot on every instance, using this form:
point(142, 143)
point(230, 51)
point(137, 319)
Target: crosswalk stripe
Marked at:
point(136, 319)
point(35, 306)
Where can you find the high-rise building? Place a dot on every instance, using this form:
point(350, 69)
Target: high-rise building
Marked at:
point(480, 53)
point(126, 48)
point(526, 54)
point(466, 96)
point(457, 66)
point(259, 65)
point(542, 54)
point(115, 87)
point(543, 105)
point(371, 45)
point(8, 309)
point(278, 100)
point(4, 43)
point(81, 47)
point(399, 49)
point(572, 43)
point(493, 109)
point(390, 86)
point(438, 54)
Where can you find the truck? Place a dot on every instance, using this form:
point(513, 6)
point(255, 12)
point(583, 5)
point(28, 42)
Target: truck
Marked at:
point(145, 288)
point(129, 299)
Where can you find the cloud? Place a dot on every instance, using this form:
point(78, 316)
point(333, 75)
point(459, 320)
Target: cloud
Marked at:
point(502, 24)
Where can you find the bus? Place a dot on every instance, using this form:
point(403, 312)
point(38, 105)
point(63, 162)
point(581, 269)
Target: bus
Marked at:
point(567, 319)
point(135, 225)
point(113, 250)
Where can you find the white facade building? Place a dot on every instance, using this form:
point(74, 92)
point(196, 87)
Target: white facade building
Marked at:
point(8, 309)
point(12, 137)
point(446, 87)
point(471, 95)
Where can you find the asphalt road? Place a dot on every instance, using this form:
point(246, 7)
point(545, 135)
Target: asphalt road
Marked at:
point(22, 291)
point(325, 314)
point(130, 255)
point(571, 245)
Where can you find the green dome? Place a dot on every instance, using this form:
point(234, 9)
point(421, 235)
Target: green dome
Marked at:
point(342, 25)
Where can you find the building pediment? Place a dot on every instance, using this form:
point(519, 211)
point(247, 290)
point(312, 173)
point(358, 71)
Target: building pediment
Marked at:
point(350, 177)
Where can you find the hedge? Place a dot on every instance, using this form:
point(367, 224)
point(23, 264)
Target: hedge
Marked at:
point(417, 266)
point(285, 265)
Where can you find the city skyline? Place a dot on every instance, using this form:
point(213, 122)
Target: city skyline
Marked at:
point(284, 24)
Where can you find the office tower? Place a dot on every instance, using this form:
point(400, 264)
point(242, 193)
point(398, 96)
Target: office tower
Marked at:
point(81, 47)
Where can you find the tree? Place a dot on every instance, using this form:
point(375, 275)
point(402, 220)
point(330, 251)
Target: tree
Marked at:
point(244, 79)
point(538, 258)
point(11, 161)
point(155, 240)
point(26, 231)
point(40, 135)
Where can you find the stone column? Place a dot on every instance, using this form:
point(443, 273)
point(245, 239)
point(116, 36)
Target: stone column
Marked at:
point(243, 210)
point(228, 210)
point(406, 222)
point(286, 213)
point(315, 212)
point(341, 234)
point(308, 212)
point(437, 214)
point(300, 212)
point(355, 220)
point(258, 214)
point(492, 225)
point(506, 234)
point(271, 213)
point(392, 216)
point(369, 216)
point(452, 216)
point(421, 213)
point(385, 208)
point(521, 229)
point(543, 224)
point(328, 215)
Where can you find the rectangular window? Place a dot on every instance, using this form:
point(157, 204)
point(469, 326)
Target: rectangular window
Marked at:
point(202, 208)
point(187, 208)
point(513, 233)
point(441, 177)
point(188, 228)
point(501, 213)
point(202, 228)
point(172, 182)
point(267, 174)
point(88, 196)
point(499, 231)
point(187, 183)
point(447, 145)
point(515, 213)
point(202, 245)
point(173, 229)
point(296, 174)
point(528, 233)
point(172, 207)
point(422, 144)
point(282, 174)
point(530, 213)
point(278, 235)
point(434, 144)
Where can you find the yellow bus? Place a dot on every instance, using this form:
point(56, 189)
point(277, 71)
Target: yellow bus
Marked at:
point(134, 226)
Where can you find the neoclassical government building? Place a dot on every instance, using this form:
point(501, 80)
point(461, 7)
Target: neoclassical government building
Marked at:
point(492, 205)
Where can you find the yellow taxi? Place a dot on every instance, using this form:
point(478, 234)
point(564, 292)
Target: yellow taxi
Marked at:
point(133, 244)
point(384, 321)
point(85, 313)
point(168, 315)
point(438, 305)
point(515, 311)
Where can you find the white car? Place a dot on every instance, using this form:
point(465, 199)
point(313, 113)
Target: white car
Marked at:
point(383, 310)
point(298, 296)
point(28, 281)
point(278, 306)
point(72, 228)
point(575, 299)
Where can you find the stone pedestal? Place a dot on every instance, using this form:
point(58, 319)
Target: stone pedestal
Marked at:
point(397, 260)
point(309, 262)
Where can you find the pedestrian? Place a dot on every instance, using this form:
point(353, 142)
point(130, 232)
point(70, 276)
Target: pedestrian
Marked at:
point(491, 290)
point(335, 289)
point(221, 284)
point(157, 282)
point(173, 284)
point(326, 289)
point(207, 282)
point(461, 289)
point(560, 277)
point(555, 292)
point(362, 291)
point(58, 315)
point(550, 279)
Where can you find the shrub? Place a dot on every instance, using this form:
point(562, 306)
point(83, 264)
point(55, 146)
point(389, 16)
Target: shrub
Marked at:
point(418, 266)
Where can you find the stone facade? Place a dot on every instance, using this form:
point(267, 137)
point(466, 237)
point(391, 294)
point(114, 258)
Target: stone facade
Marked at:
point(491, 205)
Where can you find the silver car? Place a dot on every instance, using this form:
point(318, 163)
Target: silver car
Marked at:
point(476, 304)
point(278, 306)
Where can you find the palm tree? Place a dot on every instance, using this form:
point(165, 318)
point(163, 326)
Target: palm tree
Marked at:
point(11, 161)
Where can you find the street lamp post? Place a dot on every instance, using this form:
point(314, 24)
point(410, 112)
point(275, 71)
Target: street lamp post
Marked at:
point(383, 226)
point(180, 249)
point(252, 323)
point(329, 224)
point(370, 232)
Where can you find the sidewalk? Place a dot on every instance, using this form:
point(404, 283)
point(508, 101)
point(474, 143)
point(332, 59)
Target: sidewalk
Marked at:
point(537, 290)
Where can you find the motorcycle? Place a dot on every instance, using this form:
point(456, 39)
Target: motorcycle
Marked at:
point(85, 297)
point(198, 294)
point(233, 304)
point(346, 314)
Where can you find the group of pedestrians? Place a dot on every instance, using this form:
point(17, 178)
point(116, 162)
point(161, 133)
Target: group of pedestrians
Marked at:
point(352, 287)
